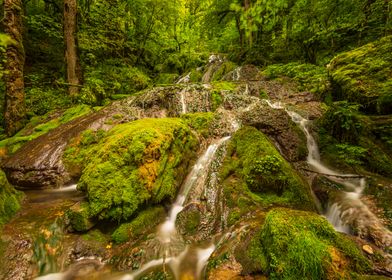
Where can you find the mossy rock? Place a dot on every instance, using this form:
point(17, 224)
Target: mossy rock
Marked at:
point(200, 122)
point(9, 199)
point(223, 69)
point(138, 163)
point(79, 217)
point(364, 75)
point(143, 222)
point(40, 125)
point(303, 245)
point(255, 172)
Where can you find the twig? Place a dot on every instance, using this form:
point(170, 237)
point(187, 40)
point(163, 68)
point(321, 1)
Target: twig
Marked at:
point(333, 175)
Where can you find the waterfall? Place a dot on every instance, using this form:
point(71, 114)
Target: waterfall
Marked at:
point(354, 188)
point(185, 79)
point(237, 74)
point(167, 233)
point(183, 102)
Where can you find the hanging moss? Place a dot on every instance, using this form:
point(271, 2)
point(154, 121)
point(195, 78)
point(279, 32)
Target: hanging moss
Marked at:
point(9, 199)
point(133, 164)
point(303, 245)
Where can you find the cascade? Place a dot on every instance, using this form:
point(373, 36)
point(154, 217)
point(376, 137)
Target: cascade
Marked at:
point(167, 233)
point(183, 102)
point(349, 209)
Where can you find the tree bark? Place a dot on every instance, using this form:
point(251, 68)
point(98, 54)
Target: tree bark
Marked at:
point(14, 101)
point(71, 47)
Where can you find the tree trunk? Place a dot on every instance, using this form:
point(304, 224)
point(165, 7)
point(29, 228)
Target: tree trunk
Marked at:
point(71, 47)
point(14, 101)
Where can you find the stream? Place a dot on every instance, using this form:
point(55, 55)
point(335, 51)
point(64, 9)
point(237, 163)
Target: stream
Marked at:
point(348, 211)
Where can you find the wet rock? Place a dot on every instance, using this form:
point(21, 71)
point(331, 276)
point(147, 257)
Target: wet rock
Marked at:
point(288, 138)
point(244, 73)
point(79, 218)
point(325, 190)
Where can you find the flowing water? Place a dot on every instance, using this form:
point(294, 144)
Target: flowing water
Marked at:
point(191, 261)
point(349, 210)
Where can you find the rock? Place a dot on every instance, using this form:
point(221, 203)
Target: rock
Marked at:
point(38, 163)
point(289, 139)
point(368, 249)
point(79, 218)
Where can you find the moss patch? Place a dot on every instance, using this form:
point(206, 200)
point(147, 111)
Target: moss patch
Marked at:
point(9, 199)
point(364, 75)
point(200, 122)
point(303, 245)
point(133, 164)
point(143, 221)
point(254, 173)
point(308, 77)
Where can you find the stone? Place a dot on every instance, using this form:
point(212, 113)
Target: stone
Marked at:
point(368, 249)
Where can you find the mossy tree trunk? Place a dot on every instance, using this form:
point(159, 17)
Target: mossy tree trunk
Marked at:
point(71, 47)
point(14, 105)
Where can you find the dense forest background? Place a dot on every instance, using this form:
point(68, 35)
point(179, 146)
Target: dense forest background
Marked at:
point(123, 46)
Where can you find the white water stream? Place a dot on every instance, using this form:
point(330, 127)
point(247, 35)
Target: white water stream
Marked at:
point(354, 186)
point(167, 232)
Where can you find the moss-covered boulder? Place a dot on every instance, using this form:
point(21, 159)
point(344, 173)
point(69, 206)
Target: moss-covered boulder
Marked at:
point(364, 75)
point(146, 220)
point(134, 164)
point(303, 245)
point(255, 169)
point(9, 199)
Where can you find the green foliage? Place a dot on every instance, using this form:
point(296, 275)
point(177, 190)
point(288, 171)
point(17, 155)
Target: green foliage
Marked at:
point(145, 220)
point(9, 200)
point(303, 245)
point(224, 69)
point(309, 77)
point(112, 77)
point(79, 217)
point(363, 75)
point(352, 155)
point(136, 163)
point(342, 121)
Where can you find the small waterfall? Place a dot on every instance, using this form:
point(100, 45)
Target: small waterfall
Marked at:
point(183, 102)
point(237, 74)
point(185, 79)
point(167, 233)
point(350, 203)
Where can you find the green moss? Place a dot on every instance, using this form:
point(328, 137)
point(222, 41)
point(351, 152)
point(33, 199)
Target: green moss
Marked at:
point(166, 79)
point(41, 125)
point(200, 122)
point(265, 171)
point(143, 221)
point(79, 217)
point(303, 245)
point(224, 69)
point(308, 77)
point(9, 199)
point(95, 235)
point(136, 163)
point(364, 75)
